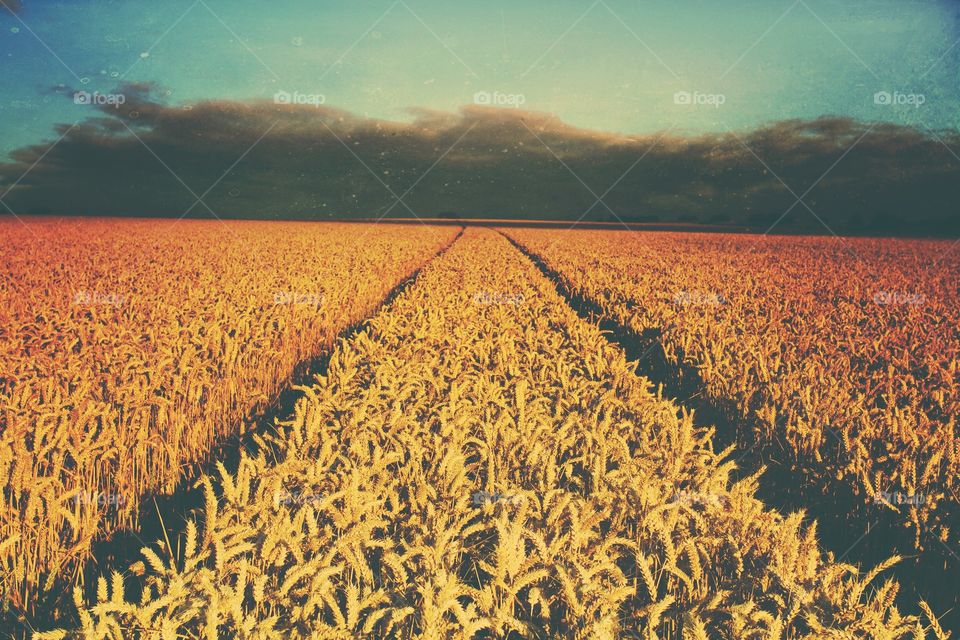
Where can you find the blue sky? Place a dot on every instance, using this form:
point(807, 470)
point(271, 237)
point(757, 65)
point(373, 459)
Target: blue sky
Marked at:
point(613, 65)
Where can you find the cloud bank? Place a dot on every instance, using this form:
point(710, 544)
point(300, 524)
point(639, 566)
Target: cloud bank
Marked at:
point(311, 161)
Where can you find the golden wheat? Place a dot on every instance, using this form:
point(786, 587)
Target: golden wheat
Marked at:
point(815, 341)
point(840, 357)
point(479, 462)
point(128, 349)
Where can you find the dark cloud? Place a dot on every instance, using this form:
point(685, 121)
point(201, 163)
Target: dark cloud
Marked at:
point(318, 162)
point(11, 5)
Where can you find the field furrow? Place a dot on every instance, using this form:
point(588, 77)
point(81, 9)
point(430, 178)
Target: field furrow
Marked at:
point(129, 352)
point(480, 462)
point(835, 362)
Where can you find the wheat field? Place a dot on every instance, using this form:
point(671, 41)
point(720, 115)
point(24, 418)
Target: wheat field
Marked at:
point(130, 349)
point(839, 358)
point(479, 459)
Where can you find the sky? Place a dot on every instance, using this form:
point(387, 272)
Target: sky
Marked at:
point(634, 69)
point(613, 65)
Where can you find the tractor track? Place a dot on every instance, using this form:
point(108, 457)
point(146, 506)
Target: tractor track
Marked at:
point(782, 486)
point(165, 516)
